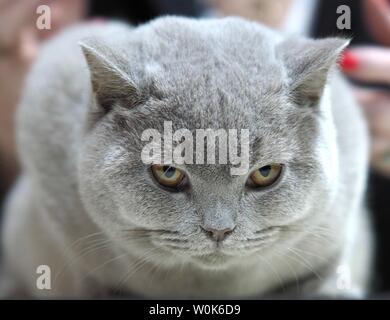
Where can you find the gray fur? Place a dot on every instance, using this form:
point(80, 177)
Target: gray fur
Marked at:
point(83, 176)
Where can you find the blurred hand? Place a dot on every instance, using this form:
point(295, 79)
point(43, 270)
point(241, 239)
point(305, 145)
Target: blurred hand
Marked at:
point(20, 41)
point(371, 64)
point(18, 47)
point(271, 13)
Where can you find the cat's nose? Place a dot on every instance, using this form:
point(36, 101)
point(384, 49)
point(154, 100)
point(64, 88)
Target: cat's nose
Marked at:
point(218, 235)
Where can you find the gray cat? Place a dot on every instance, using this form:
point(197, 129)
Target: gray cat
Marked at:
point(105, 223)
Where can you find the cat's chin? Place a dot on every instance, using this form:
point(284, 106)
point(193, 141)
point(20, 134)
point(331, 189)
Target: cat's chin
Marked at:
point(214, 261)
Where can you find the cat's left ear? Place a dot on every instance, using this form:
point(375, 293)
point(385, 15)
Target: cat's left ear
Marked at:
point(110, 83)
point(308, 64)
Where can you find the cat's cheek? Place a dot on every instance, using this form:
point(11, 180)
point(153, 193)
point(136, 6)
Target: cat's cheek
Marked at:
point(284, 206)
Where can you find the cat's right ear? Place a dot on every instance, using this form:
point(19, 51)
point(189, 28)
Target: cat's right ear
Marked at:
point(110, 84)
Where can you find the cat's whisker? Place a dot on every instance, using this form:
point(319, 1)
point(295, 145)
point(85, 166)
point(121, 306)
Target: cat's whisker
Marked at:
point(316, 227)
point(325, 236)
point(175, 247)
point(154, 270)
point(284, 257)
point(79, 240)
point(304, 262)
point(273, 270)
point(321, 236)
point(95, 245)
point(181, 270)
point(264, 236)
point(86, 251)
point(311, 254)
point(83, 238)
point(149, 231)
point(104, 264)
point(174, 240)
point(139, 263)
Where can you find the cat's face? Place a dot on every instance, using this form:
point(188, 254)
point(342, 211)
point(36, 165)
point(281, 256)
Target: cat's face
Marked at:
point(202, 213)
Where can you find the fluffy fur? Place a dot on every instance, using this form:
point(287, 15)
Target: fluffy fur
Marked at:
point(86, 206)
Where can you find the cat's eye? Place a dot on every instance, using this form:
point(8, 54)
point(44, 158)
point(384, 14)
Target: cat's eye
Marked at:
point(168, 176)
point(265, 176)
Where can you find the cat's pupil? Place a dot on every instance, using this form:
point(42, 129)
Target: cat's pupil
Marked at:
point(169, 171)
point(264, 171)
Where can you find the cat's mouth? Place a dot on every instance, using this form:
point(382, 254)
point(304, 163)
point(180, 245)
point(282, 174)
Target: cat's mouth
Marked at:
point(211, 254)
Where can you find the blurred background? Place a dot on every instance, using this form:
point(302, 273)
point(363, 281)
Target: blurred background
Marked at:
point(366, 63)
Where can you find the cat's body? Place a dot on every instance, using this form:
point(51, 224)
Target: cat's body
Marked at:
point(83, 183)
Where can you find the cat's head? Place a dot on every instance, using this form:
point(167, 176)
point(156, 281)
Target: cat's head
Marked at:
point(199, 74)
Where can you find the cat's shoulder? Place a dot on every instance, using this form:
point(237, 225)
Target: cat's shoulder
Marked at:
point(55, 97)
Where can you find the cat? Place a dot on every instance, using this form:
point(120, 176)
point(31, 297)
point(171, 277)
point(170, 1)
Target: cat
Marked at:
point(99, 219)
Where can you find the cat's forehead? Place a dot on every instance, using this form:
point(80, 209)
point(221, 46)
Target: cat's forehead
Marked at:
point(211, 74)
point(211, 105)
point(218, 73)
point(182, 38)
point(230, 51)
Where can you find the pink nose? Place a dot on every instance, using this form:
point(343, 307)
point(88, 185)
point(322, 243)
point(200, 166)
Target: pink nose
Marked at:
point(218, 235)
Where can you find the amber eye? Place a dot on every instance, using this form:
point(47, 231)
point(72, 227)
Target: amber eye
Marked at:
point(167, 176)
point(265, 176)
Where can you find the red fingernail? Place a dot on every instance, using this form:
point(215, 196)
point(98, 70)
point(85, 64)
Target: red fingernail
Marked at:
point(349, 61)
